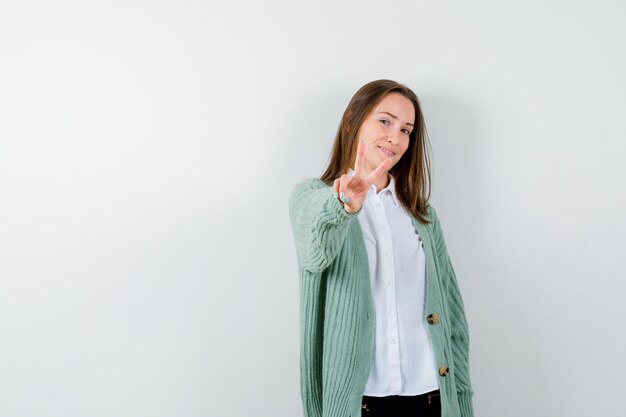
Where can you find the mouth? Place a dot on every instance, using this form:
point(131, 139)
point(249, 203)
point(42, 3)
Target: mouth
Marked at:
point(386, 151)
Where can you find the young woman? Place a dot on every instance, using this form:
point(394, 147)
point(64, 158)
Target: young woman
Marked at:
point(383, 328)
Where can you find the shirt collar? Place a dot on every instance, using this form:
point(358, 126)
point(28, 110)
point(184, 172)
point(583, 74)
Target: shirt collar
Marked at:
point(391, 186)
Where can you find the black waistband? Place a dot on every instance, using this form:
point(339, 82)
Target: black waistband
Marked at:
point(426, 394)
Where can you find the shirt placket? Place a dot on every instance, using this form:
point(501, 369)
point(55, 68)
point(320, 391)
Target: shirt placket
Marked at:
point(393, 359)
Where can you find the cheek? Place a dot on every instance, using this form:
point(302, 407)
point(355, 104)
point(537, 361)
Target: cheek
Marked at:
point(405, 146)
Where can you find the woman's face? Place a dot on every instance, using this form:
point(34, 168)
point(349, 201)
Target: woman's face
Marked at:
point(386, 131)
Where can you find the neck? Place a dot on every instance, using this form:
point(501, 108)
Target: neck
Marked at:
point(382, 181)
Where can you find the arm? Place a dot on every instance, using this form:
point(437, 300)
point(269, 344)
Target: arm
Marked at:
point(319, 222)
point(459, 330)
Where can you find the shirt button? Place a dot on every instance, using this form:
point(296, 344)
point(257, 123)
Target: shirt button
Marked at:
point(393, 341)
point(377, 204)
point(389, 282)
point(388, 253)
point(384, 226)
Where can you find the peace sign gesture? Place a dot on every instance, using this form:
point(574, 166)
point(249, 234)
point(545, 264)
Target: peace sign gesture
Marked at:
point(352, 190)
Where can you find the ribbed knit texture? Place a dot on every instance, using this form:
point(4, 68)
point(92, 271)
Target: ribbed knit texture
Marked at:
point(337, 313)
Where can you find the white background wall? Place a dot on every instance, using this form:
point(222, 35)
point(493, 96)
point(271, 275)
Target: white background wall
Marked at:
point(147, 150)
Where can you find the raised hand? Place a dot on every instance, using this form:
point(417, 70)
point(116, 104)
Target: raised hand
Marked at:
point(355, 187)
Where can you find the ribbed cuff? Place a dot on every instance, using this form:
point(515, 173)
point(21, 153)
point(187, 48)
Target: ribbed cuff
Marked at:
point(465, 404)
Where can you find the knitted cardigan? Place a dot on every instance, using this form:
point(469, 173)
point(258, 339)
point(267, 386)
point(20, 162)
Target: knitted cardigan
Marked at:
point(337, 313)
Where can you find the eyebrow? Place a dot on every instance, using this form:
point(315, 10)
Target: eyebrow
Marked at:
point(394, 117)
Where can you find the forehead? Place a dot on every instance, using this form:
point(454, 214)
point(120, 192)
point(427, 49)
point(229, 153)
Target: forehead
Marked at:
point(398, 105)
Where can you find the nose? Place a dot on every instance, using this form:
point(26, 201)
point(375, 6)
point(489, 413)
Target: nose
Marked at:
point(394, 137)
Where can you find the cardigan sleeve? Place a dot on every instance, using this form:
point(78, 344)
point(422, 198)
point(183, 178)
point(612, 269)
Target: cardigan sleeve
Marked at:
point(459, 330)
point(319, 223)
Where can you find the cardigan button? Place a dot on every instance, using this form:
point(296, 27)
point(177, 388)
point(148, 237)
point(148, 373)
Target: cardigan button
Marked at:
point(443, 371)
point(433, 318)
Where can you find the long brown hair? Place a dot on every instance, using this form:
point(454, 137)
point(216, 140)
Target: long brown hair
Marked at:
point(411, 172)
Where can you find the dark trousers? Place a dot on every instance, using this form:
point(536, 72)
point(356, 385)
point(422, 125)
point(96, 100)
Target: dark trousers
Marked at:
point(424, 405)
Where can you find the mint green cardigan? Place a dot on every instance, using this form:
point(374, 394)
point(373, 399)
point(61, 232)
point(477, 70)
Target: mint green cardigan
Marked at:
point(337, 313)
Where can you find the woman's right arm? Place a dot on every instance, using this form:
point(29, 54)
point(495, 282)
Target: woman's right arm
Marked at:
point(319, 222)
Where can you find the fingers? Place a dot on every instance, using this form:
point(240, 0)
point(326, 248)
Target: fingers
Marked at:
point(380, 169)
point(339, 192)
point(358, 164)
point(344, 195)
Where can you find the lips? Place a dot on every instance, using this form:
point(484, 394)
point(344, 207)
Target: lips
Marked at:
point(386, 151)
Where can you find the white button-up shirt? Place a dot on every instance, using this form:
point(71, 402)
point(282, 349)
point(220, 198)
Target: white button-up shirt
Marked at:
point(403, 362)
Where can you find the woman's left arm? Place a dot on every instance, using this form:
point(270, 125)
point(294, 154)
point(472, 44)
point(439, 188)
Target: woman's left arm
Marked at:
point(458, 323)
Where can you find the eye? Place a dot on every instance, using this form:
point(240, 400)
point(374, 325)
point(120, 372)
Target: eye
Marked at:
point(406, 131)
point(383, 121)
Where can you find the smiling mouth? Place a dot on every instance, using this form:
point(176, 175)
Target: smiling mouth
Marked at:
point(386, 151)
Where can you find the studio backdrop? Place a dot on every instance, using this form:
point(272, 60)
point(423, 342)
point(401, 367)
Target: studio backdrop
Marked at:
point(147, 151)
